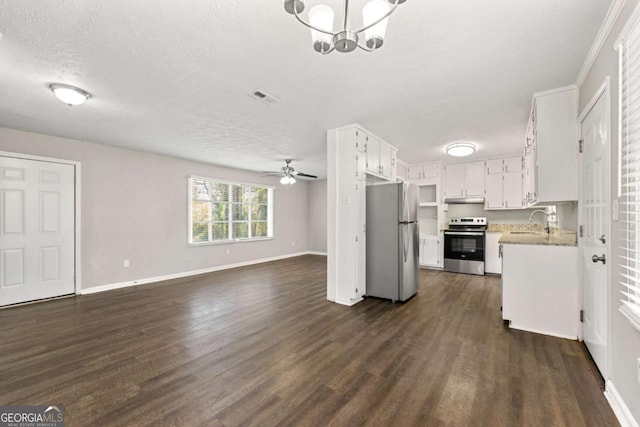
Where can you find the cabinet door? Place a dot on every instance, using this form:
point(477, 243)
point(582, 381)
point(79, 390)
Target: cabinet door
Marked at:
point(361, 242)
point(493, 198)
point(431, 249)
point(386, 160)
point(512, 190)
point(512, 164)
point(431, 170)
point(361, 166)
point(494, 166)
point(454, 180)
point(373, 155)
point(530, 195)
point(415, 172)
point(360, 140)
point(474, 179)
point(492, 261)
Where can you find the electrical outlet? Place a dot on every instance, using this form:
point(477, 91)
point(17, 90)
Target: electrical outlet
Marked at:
point(126, 263)
point(293, 244)
point(228, 251)
point(638, 370)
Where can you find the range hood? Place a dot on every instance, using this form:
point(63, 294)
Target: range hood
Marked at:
point(464, 200)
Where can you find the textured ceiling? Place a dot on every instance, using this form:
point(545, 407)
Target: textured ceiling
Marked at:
point(174, 77)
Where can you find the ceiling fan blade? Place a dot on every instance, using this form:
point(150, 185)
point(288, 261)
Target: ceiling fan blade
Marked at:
point(270, 173)
point(305, 175)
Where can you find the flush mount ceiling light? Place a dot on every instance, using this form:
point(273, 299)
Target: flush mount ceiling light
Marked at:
point(374, 17)
point(461, 149)
point(68, 94)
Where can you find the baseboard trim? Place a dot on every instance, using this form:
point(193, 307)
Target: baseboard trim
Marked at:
point(120, 285)
point(317, 253)
point(348, 302)
point(550, 333)
point(619, 407)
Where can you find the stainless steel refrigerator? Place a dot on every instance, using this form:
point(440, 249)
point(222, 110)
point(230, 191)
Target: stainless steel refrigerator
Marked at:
point(392, 241)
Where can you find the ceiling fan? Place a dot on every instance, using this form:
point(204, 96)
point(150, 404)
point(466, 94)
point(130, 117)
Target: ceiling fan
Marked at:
point(289, 174)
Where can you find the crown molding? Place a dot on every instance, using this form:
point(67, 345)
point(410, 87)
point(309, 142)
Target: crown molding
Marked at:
point(605, 29)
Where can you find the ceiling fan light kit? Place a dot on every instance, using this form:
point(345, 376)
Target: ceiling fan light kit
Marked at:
point(375, 15)
point(288, 174)
point(461, 149)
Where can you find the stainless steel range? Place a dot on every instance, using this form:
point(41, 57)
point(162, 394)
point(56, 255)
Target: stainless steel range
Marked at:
point(464, 244)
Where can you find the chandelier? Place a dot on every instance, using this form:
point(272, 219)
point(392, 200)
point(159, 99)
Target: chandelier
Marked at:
point(374, 18)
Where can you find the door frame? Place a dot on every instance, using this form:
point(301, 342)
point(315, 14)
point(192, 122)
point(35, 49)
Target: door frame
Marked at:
point(603, 92)
point(77, 204)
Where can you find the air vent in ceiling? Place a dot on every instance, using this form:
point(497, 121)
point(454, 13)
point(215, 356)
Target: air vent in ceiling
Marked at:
point(263, 96)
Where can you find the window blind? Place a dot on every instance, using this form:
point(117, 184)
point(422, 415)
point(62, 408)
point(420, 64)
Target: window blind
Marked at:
point(225, 211)
point(629, 179)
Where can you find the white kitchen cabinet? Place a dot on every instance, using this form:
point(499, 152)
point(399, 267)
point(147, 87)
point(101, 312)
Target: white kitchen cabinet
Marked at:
point(430, 251)
point(464, 180)
point(504, 183)
point(552, 138)
point(540, 289)
point(422, 171)
point(349, 150)
point(381, 159)
point(492, 260)
point(402, 170)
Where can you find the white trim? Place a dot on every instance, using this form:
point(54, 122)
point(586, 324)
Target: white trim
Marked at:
point(598, 43)
point(316, 253)
point(76, 200)
point(226, 181)
point(605, 86)
point(624, 415)
point(537, 331)
point(555, 91)
point(628, 26)
point(109, 287)
point(348, 302)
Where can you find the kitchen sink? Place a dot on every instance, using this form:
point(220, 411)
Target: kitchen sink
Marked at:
point(526, 232)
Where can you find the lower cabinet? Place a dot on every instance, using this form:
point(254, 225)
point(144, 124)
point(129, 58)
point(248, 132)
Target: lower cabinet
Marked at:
point(430, 251)
point(540, 289)
point(492, 260)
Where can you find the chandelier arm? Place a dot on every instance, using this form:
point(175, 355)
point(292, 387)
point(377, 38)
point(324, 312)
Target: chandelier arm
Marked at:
point(365, 48)
point(329, 51)
point(306, 24)
point(385, 16)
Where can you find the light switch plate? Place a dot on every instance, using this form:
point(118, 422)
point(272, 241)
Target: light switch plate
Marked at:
point(614, 210)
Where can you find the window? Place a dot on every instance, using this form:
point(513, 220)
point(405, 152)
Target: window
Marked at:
point(228, 211)
point(629, 179)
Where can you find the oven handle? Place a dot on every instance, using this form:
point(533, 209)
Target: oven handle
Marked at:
point(464, 233)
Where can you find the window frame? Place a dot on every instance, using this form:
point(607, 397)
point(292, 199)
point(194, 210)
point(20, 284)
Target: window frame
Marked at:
point(627, 274)
point(269, 221)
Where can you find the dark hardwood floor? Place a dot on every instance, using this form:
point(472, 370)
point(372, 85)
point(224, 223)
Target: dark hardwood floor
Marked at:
point(261, 346)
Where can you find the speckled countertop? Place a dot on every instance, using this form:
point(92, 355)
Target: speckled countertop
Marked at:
point(533, 234)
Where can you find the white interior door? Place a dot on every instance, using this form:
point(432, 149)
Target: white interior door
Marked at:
point(37, 246)
point(594, 202)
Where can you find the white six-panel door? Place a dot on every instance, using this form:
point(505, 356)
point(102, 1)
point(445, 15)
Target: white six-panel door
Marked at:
point(37, 235)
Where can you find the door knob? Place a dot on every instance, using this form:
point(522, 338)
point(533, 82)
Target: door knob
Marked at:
point(597, 258)
point(603, 239)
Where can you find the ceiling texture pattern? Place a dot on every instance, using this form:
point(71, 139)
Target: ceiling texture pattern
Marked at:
point(175, 77)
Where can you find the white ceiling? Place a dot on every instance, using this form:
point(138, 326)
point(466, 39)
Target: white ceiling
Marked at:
point(173, 77)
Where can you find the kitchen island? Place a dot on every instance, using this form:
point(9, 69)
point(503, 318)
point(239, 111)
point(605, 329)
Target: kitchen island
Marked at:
point(540, 282)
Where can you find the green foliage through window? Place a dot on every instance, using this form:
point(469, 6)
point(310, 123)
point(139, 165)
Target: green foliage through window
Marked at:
point(223, 211)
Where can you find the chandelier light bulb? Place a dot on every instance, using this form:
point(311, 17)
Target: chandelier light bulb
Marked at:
point(373, 11)
point(287, 180)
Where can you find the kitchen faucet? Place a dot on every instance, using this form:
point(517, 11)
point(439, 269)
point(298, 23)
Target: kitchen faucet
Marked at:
point(546, 217)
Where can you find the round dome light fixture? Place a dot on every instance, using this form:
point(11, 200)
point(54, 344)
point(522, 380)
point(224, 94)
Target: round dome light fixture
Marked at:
point(68, 94)
point(461, 149)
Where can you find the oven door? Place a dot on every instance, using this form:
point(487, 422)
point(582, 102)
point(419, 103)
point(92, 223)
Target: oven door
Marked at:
point(464, 245)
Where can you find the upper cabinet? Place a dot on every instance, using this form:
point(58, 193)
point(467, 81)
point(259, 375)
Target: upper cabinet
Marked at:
point(428, 171)
point(402, 170)
point(381, 159)
point(464, 180)
point(551, 148)
point(504, 183)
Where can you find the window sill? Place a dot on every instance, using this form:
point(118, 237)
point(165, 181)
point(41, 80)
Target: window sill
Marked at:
point(226, 242)
point(633, 319)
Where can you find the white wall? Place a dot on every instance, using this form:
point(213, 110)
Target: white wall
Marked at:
point(317, 239)
point(624, 340)
point(134, 206)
